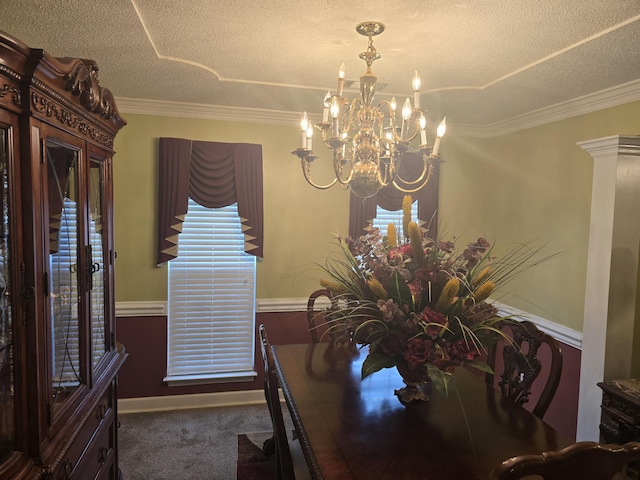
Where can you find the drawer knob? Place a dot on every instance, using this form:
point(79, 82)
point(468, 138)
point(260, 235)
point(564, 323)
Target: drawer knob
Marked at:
point(68, 469)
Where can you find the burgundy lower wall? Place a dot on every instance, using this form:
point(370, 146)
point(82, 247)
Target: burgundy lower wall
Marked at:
point(563, 411)
point(145, 340)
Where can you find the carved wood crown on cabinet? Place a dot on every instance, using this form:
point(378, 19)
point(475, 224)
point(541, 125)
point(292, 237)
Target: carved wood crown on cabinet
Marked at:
point(59, 359)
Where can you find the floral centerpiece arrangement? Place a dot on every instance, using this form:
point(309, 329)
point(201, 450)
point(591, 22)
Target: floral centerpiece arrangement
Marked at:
point(418, 303)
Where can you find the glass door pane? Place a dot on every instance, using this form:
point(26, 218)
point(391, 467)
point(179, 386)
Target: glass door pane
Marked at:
point(97, 232)
point(7, 411)
point(62, 165)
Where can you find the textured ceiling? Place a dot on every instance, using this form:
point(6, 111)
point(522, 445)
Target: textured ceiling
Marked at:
point(482, 62)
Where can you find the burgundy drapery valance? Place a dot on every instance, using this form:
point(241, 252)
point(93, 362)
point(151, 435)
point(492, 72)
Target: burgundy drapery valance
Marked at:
point(362, 212)
point(214, 175)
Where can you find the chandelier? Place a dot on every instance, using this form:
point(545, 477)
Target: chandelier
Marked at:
point(367, 140)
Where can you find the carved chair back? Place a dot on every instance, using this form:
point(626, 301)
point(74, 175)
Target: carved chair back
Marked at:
point(521, 365)
point(582, 460)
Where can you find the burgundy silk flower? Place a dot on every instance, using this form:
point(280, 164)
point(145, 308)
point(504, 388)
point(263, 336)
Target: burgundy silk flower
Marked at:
point(431, 316)
point(417, 352)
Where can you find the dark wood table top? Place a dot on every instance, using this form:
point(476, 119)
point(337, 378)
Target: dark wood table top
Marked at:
point(353, 429)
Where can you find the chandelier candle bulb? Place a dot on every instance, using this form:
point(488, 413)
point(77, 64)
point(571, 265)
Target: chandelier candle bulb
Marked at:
point(442, 128)
point(423, 131)
point(335, 111)
point(341, 75)
point(406, 115)
point(416, 90)
point(309, 137)
point(325, 112)
point(304, 124)
point(392, 115)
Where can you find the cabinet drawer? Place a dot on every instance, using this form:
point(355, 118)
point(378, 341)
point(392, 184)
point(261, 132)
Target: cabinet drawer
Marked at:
point(99, 421)
point(99, 457)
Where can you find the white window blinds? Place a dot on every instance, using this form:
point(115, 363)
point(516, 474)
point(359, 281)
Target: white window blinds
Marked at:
point(385, 217)
point(65, 299)
point(211, 299)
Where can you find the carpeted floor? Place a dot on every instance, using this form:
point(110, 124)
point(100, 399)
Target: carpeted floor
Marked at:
point(199, 444)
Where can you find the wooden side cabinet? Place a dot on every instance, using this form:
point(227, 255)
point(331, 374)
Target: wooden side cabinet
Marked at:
point(58, 354)
point(620, 421)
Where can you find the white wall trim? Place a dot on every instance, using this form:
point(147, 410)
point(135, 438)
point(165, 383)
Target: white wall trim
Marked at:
point(164, 108)
point(141, 309)
point(611, 97)
point(157, 308)
point(607, 156)
point(564, 334)
point(269, 305)
point(195, 400)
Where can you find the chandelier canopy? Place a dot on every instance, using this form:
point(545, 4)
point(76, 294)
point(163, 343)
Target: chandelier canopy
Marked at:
point(368, 142)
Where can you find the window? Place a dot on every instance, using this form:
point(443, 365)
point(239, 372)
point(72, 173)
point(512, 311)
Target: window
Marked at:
point(211, 300)
point(385, 217)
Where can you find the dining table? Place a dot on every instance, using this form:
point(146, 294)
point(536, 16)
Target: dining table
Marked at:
point(354, 428)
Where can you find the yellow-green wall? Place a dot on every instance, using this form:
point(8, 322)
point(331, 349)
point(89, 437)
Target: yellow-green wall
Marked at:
point(298, 220)
point(534, 184)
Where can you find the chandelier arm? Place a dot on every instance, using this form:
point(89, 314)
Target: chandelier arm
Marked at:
point(306, 170)
point(391, 112)
point(338, 166)
point(427, 167)
point(390, 173)
point(413, 190)
point(415, 134)
point(348, 125)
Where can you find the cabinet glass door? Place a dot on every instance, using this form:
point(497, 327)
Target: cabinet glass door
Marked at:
point(7, 409)
point(97, 242)
point(64, 271)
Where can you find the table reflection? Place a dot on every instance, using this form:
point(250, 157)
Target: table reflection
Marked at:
point(357, 428)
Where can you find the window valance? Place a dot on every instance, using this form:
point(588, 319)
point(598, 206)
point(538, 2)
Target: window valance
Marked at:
point(214, 175)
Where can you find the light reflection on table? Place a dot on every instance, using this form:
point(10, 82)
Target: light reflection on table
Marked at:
point(353, 428)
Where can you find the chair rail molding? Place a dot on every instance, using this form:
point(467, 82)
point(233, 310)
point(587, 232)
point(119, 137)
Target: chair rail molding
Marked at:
point(561, 333)
point(611, 301)
point(141, 309)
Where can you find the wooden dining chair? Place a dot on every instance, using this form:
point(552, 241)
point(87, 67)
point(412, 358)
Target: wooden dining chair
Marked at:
point(290, 462)
point(316, 319)
point(521, 367)
point(582, 460)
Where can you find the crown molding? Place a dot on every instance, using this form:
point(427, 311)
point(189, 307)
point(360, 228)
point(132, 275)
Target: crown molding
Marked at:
point(163, 108)
point(611, 97)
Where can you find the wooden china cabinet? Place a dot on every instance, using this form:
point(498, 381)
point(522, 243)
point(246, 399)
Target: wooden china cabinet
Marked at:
point(58, 355)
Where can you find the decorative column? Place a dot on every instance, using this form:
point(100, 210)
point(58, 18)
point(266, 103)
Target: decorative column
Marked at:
point(611, 297)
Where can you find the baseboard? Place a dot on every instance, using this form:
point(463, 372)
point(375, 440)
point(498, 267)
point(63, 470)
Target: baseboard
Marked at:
point(196, 400)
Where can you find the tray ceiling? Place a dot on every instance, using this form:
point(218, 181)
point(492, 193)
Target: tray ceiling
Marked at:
point(483, 63)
